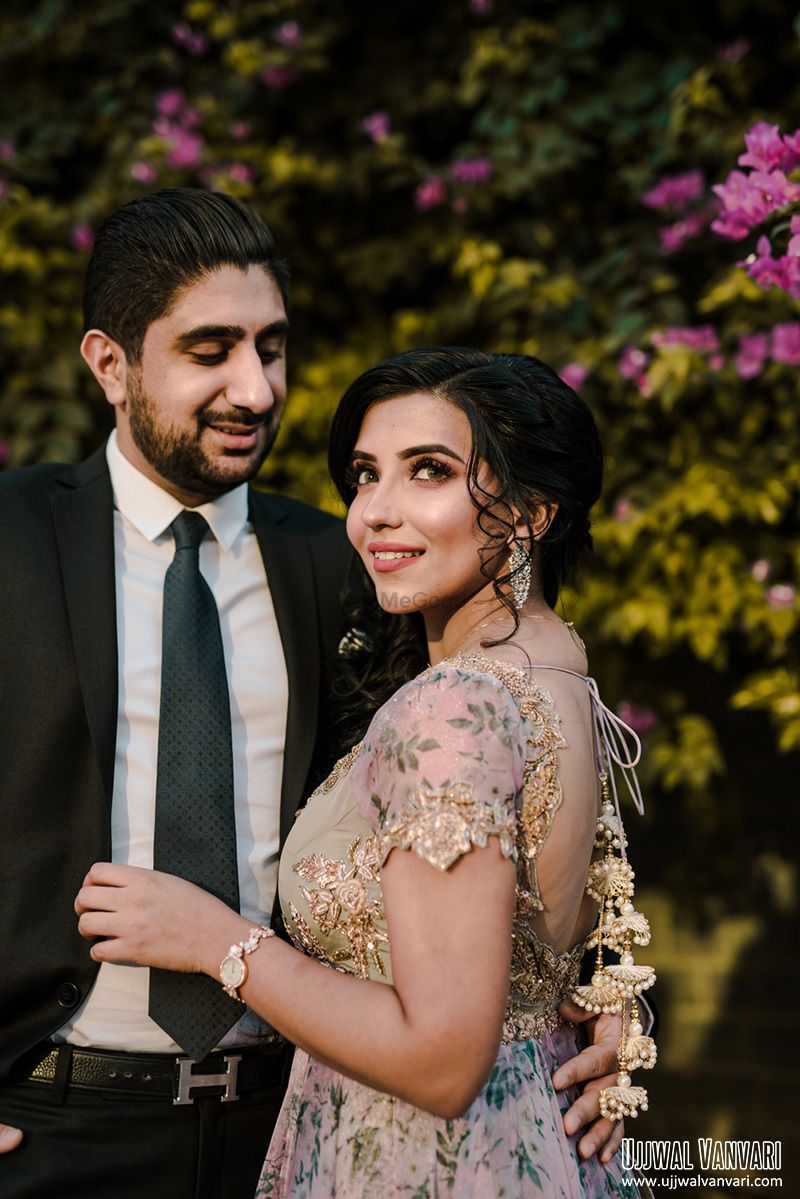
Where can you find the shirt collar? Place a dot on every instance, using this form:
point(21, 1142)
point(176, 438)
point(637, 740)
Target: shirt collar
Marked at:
point(151, 509)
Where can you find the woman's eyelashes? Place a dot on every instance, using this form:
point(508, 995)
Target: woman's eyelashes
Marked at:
point(424, 470)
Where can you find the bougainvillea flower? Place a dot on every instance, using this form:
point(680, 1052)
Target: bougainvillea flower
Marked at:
point(81, 237)
point(377, 125)
point(471, 170)
point(191, 40)
point(675, 191)
point(760, 570)
point(429, 194)
point(702, 338)
point(574, 375)
point(641, 720)
point(751, 355)
point(289, 34)
point(143, 172)
point(673, 236)
point(765, 147)
point(734, 51)
point(186, 149)
point(632, 361)
point(170, 102)
point(786, 343)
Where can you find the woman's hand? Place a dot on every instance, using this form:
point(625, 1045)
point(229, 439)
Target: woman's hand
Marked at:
point(148, 918)
point(596, 1067)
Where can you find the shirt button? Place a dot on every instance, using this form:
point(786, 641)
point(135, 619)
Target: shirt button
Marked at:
point(68, 994)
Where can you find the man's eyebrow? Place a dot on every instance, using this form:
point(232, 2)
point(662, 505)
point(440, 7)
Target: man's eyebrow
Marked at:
point(228, 333)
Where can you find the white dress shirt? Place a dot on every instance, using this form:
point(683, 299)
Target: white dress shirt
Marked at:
point(114, 1015)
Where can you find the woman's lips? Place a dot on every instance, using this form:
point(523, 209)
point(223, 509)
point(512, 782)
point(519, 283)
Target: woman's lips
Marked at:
point(387, 558)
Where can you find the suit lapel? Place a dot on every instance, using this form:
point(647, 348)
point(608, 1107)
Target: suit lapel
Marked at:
point(290, 574)
point(83, 516)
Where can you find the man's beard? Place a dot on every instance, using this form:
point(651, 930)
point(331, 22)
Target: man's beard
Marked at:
point(179, 457)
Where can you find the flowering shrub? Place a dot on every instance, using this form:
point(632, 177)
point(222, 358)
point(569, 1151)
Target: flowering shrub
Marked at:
point(514, 179)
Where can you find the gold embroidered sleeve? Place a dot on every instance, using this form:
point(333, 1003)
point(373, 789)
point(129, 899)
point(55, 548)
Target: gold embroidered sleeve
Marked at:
point(441, 824)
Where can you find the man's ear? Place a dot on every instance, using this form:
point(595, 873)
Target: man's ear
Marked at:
point(107, 362)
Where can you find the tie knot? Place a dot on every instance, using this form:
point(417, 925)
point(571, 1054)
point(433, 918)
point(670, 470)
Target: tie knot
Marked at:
point(188, 529)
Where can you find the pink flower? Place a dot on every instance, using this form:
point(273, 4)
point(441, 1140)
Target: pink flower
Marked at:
point(471, 170)
point(781, 595)
point(143, 172)
point(700, 338)
point(751, 355)
point(786, 343)
point(734, 51)
point(192, 117)
point(793, 248)
point(765, 147)
point(623, 510)
point(673, 236)
point(675, 191)
point(429, 194)
point(574, 375)
point(191, 40)
point(240, 172)
point(774, 272)
point(170, 102)
point(8, 151)
point(792, 143)
point(187, 149)
point(81, 237)
point(760, 570)
point(641, 720)
point(632, 361)
point(716, 362)
point(289, 34)
point(377, 125)
point(481, 8)
point(240, 130)
point(277, 78)
point(459, 205)
point(743, 206)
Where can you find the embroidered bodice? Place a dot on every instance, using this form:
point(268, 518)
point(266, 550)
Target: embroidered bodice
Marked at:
point(467, 751)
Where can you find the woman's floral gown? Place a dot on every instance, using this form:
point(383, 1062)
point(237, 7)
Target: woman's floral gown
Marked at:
point(467, 751)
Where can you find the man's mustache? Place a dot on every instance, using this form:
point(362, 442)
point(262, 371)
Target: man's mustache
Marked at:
point(244, 420)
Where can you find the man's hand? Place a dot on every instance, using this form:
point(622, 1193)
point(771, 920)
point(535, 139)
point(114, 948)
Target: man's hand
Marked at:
point(597, 1067)
point(9, 1138)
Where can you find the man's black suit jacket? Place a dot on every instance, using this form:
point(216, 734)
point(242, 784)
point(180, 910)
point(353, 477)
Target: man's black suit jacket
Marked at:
point(58, 710)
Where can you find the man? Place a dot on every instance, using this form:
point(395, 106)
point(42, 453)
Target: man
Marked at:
point(113, 726)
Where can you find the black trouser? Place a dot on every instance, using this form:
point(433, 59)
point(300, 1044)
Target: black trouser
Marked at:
point(82, 1144)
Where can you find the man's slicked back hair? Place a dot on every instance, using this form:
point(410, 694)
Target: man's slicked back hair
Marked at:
point(153, 247)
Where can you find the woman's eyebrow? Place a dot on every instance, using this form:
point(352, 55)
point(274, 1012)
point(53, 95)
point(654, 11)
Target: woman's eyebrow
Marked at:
point(412, 452)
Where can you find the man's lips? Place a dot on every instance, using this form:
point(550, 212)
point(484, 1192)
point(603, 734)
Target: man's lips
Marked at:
point(392, 555)
point(237, 436)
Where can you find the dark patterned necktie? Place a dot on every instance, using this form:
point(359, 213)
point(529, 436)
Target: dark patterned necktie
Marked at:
point(195, 828)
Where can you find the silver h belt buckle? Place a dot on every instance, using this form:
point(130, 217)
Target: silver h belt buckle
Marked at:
point(188, 1081)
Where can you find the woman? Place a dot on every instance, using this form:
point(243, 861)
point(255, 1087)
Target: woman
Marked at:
point(442, 867)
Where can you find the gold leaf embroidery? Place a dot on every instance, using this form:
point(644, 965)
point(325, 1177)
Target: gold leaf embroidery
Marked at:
point(340, 902)
point(442, 823)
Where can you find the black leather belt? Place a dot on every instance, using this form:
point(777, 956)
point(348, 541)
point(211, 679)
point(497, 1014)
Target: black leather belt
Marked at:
point(226, 1075)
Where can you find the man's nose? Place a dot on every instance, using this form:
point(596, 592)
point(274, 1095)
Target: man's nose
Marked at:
point(248, 386)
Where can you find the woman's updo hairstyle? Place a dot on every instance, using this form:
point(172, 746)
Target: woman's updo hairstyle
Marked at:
point(540, 443)
point(537, 437)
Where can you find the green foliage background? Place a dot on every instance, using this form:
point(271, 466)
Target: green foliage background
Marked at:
point(579, 107)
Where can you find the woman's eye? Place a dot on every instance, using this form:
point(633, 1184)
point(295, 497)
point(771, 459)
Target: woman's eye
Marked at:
point(362, 474)
point(431, 471)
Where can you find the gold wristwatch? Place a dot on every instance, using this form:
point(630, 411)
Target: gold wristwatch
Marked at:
point(233, 968)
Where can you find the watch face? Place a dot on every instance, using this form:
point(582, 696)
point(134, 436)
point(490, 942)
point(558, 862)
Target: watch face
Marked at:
point(233, 971)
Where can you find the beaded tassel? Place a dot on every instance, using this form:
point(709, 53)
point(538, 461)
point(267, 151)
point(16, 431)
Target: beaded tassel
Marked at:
point(614, 987)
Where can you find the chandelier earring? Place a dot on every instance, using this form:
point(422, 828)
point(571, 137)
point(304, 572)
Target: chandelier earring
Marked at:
point(519, 565)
